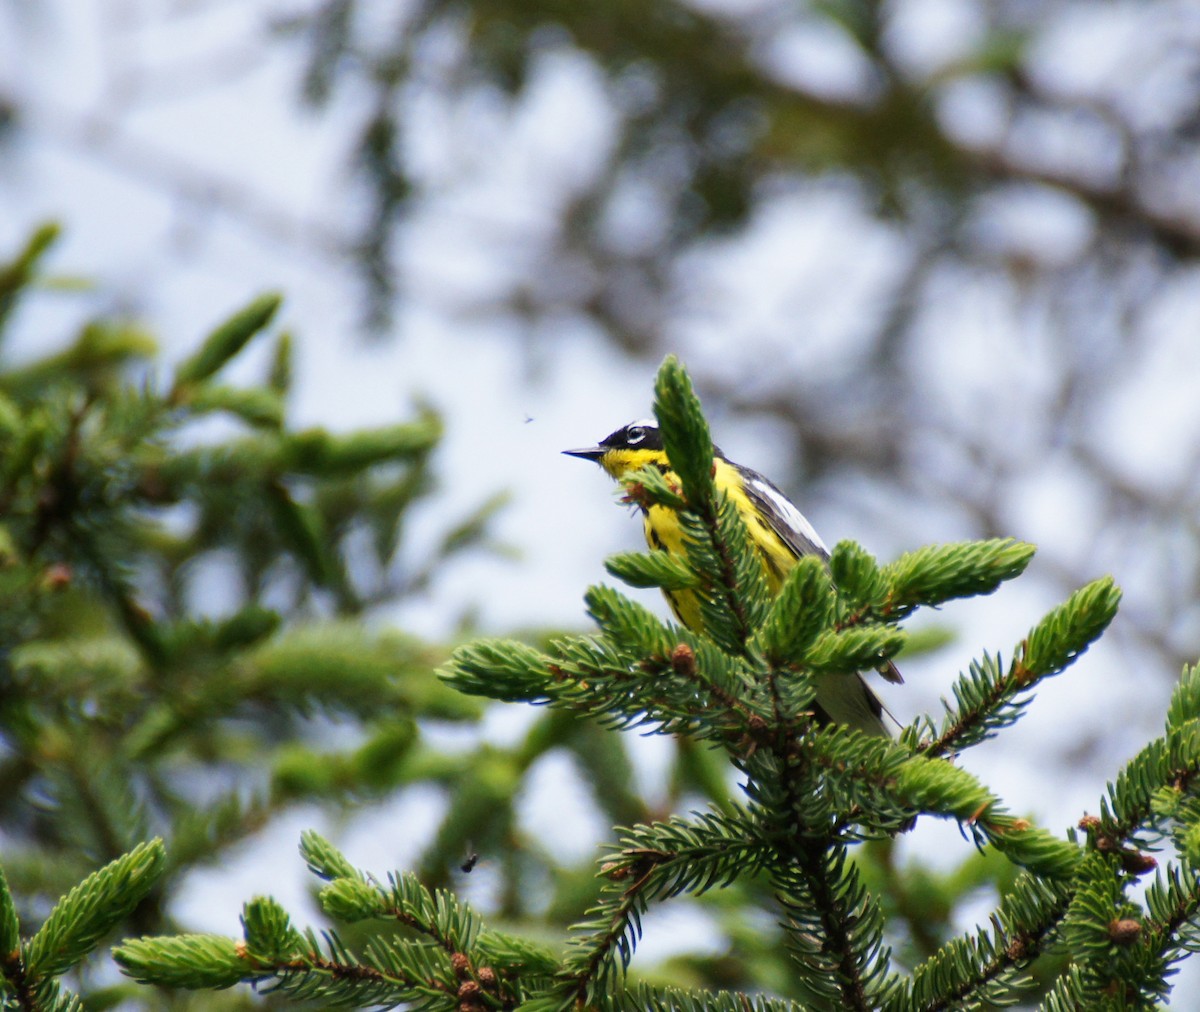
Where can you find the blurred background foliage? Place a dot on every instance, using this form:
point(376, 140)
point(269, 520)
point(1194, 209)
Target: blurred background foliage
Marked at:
point(940, 252)
point(940, 249)
point(1029, 169)
point(133, 700)
point(1019, 179)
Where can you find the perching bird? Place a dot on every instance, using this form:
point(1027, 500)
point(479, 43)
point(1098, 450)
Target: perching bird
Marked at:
point(777, 529)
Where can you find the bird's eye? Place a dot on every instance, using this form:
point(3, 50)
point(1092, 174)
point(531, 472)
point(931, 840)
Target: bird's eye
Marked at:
point(635, 434)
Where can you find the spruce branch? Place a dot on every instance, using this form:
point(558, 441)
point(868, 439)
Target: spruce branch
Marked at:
point(268, 930)
point(733, 591)
point(92, 909)
point(590, 967)
point(443, 969)
point(988, 967)
point(652, 569)
point(1103, 931)
point(648, 486)
point(859, 579)
point(989, 698)
point(323, 859)
point(17, 274)
point(734, 598)
point(10, 929)
point(437, 915)
point(693, 855)
point(866, 773)
point(302, 527)
point(314, 969)
point(119, 705)
point(685, 435)
point(802, 610)
point(1158, 787)
point(342, 978)
point(849, 651)
point(195, 961)
point(834, 927)
point(631, 628)
point(652, 862)
point(1185, 698)
point(861, 775)
point(1066, 632)
point(257, 407)
point(645, 998)
point(1173, 906)
point(516, 957)
point(938, 573)
point(686, 685)
point(985, 701)
point(1149, 794)
point(224, 343)
point(742, 680)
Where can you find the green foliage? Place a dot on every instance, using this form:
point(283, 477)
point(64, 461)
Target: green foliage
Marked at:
point(435, 958)
point(1068, 630)
point(268, 930)
point(685, 434)
point(119, 699)
point(91, 910)
point(799, 613)
point(186, 961)
point(9, 927)
point(940, 573)
point(647, 999)
point(851, 650)
point(1020, 929)
point(651, 569)
point(17, 274)
point(1067, 925)
point(225, 342)
point(134, 702)
point(73, 929)
point(990, 697)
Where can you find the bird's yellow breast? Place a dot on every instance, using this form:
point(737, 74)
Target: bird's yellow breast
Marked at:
point(623, 461)
point(664, 532)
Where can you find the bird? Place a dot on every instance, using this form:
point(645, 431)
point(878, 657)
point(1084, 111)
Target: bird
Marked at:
point(779, 532)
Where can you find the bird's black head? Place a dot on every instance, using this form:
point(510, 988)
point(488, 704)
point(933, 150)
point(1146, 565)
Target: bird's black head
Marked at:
point(630, 447)
point(640, 435)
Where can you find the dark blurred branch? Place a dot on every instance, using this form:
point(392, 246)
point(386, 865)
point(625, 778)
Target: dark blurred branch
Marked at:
point(1119, 207)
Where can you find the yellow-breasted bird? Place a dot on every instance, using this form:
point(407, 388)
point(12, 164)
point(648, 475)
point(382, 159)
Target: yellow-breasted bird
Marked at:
point(777, 529)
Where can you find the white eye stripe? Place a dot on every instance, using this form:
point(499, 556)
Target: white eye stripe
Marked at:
point(633, 434)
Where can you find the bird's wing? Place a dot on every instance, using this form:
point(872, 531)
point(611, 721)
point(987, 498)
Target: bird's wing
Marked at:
point(795, 531)
point(789, 523)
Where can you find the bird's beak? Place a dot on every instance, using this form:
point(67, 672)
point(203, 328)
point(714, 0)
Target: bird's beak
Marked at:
point(590, 453)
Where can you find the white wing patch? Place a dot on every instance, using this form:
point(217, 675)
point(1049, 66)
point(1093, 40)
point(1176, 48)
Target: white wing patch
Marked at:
point(787, 511)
